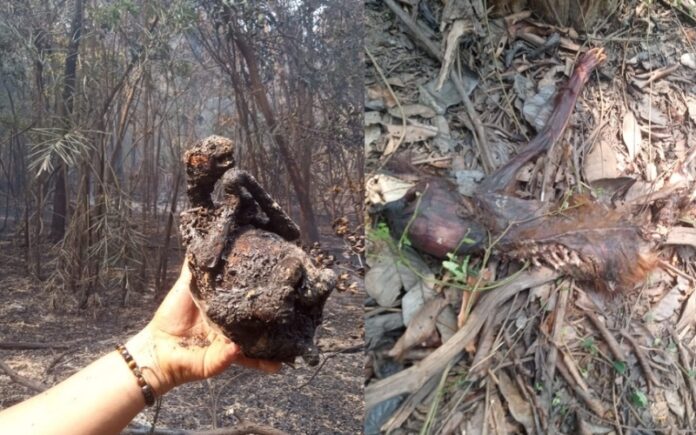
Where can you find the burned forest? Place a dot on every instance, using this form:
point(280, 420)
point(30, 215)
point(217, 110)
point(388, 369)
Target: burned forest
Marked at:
point(100, 101)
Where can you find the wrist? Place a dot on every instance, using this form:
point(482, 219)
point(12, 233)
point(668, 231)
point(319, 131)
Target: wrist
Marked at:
point(143, 348)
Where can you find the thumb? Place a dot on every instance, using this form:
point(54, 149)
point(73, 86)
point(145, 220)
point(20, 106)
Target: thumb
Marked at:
point(185, 275)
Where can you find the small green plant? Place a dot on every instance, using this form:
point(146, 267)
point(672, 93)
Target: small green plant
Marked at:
point(459, 270)
point(558, 404)
point(379, 232)
point(404, 240)
point(590, 346)
point(638, 398)
point(620, 367)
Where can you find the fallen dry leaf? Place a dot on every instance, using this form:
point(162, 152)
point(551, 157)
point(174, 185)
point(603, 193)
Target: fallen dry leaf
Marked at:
point(688, 60)
point(381, 189)
point(372, 117)
point(377, 92)
point(519, 407)
point(652, 114)
point(382, 281)
point(631, 135)
point(458, 29)
point(408, 134)
point(476, 422)
point(681, 236)
point(538, 107)
point(497, 417)
point(420, 328)
point(410, 110)
point(377, 326)
point(392, 271)
point(601, 162)
point(372, 133)
point(691, 108)
point(675, 403)
point(688, 315)
point(669, 303)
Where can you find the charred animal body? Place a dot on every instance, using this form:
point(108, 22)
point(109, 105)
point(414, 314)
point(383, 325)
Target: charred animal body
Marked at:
point(252, 283)
point(582, 237)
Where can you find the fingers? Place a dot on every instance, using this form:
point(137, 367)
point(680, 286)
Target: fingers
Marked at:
point(228, 352)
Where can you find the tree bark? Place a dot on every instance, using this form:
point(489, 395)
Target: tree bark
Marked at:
point(60, 200)
point(308, 221)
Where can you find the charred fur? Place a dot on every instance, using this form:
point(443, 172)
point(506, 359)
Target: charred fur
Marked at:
point(255, 285)
point(582, 238)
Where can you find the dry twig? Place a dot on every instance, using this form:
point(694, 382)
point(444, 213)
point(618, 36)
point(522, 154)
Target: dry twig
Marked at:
point(414, 377)
point(25, 345)
point(642, 360)
point(21, 380)
point(595, 405)
point(556, 338)
point(608, 337)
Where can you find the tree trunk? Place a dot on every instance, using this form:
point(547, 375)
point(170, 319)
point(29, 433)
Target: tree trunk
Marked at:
point(161, 276)
point(60, 202)
point(308, 221)
point(65, 111)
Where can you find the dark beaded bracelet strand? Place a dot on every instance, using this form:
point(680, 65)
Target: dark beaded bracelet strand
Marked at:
point(148, 392)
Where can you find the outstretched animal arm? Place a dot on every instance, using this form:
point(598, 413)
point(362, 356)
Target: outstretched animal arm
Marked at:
point(243, 185)
point(502, 180)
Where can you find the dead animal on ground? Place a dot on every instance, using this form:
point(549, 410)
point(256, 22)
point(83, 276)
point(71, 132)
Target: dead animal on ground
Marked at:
point(609, 246)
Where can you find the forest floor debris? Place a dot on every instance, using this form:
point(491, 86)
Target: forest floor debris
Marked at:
point(555, 354)
point(47, 346)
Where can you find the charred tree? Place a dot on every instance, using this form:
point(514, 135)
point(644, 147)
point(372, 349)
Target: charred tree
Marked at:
point(60, 200)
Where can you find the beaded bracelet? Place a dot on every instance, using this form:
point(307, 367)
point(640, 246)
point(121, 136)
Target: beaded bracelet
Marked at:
point(147, 390)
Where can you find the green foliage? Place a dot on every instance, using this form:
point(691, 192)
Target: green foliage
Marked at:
point(109, 16)
point(558, 404)
point(66, 147)
point(404, 240)
point(638, 398)
point(589, 345)
point(183, 14)
point(379, 232)
point(458, 269)
point(620, 366)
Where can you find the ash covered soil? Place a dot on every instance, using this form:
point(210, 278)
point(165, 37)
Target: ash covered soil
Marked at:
point(298, 401)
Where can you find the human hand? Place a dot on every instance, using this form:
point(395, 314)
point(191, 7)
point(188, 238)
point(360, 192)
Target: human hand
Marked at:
point(178, 345)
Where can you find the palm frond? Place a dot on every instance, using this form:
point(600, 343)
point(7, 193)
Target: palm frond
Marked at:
point(58, 145)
